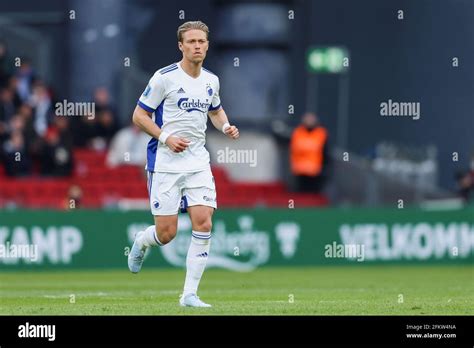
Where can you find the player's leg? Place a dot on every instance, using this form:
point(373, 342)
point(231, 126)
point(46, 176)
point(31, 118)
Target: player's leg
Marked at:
point(198, 253)
point(201, 196)
point(162, 232)
point(159, 234)
point(165, 198)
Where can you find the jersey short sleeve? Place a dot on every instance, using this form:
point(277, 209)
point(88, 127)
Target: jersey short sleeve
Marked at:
point(153, 94)
point(216, 100)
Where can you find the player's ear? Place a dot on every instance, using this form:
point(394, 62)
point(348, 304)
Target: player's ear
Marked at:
point(180, 46)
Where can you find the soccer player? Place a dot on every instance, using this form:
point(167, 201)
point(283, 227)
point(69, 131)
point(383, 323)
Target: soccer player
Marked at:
point(181, 96)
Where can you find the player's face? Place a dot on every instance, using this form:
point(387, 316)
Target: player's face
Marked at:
point(194, 45)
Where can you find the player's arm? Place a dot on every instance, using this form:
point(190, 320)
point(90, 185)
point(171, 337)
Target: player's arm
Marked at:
point(154, 94)
point(142, 119)
point(221, 122)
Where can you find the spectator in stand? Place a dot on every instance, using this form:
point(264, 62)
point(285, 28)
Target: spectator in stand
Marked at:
point(102, 101)
point(26, 77)
point(106, 123)
point(14, 155)
point(6, 63)
point(465, 182)
point(16, 124)
point(56, 150)
point(41, 102)
point(74, 197)
point(96, 132)
point(25, 111)
point(83, 130)
point(466, 185)
point(128, 147)
point(308, 154)
point(3, 134)
point(7, 104)
point(106, 126)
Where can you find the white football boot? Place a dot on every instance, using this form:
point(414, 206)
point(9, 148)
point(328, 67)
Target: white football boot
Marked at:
point(136, 255)
point(192, 300)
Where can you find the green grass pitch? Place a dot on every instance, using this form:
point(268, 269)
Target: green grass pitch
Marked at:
point(369, 290)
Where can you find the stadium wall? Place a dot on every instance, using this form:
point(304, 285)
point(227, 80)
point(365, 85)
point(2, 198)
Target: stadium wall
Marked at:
point(242, 239)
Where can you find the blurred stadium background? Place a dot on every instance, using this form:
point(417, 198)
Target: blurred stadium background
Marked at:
point(74, 185)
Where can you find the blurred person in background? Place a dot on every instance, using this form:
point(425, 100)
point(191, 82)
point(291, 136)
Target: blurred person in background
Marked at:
point(106, 127)
point(16, 124)
point(7, 104)
point(25, 111)
point(128, 147)
point(25, 76)
point(41, 102)
point(8, 107)
point(32, 140)
point(6, 63)
point(74, 197)
point(465, 181)
point(106, 123)
point(308, 154)
point(102, 101)
point(15, 156)
point(84, 129)
point(3, 134)
point(96, 132)
point(56, 150)
point(466, 185)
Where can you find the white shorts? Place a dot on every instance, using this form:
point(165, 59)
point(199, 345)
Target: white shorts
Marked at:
point(171, 191)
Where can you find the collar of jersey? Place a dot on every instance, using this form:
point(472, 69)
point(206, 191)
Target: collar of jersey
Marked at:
point(185, 73)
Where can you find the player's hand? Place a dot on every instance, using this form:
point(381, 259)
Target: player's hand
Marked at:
point(232, 132)
point(177, 144)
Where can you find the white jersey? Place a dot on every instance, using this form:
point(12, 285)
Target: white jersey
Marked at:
point(180, 104)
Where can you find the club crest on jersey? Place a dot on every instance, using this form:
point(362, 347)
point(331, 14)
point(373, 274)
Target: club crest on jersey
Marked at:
point(209, 90)
point(193, 105)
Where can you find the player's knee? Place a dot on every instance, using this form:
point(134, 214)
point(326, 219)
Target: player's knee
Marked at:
point(166, 238)
point(166, 233)
point(203, 225)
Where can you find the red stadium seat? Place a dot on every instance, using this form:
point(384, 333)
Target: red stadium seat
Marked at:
point(102, 185)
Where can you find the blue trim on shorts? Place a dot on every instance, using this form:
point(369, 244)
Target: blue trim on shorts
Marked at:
point(150, 182)
point(183, 205)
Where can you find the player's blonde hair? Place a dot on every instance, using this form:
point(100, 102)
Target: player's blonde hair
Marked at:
point(192, 25)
